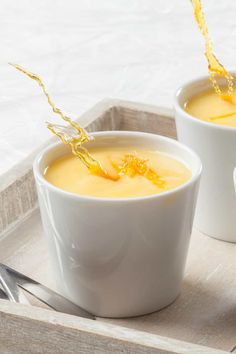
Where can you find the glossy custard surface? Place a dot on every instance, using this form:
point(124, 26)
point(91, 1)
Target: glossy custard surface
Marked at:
point(69, 174)
point(210, 107)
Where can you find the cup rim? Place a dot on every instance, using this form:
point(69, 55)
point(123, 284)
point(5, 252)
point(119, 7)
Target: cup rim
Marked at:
point(179, 108)
point(195, 176)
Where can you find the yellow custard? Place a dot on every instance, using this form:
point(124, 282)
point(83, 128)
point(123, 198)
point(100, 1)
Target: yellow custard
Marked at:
point(70, 174)
point(209, 106)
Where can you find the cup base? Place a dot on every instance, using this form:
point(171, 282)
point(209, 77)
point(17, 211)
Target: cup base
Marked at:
point(121, 310)
point(141, 313)
point(216, 237)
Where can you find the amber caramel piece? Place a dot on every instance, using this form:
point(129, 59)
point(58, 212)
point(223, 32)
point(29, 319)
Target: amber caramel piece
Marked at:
point(72, 135)
point(214, 66)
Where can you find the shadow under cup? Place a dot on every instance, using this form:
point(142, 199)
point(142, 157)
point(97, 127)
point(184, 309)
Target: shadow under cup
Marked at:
point(119, 257)
point(216, 147)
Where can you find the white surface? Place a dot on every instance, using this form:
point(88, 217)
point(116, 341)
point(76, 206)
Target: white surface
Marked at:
point(130, 241)
point(215, 145)
point(139, 50)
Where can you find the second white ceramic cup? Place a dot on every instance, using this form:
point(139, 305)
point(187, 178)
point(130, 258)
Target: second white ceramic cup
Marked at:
point(119, 257)
point(216, 146)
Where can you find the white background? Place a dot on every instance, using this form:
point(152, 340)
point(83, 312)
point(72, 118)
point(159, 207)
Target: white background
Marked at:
point(87, 50)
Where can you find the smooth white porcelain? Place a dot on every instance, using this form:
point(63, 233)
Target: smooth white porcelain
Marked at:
point(119, 257)
point(234, 178)
point(216, 146)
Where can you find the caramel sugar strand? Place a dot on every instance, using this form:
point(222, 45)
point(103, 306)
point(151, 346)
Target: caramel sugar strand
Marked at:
point(214, 66)
point(75, 143)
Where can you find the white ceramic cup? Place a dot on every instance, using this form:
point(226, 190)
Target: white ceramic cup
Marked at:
point(216, 146)
point(119, 257)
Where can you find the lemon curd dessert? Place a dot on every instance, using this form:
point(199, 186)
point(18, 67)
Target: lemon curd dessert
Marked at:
point(69, 174)
point(217, 105)
point(110, 171)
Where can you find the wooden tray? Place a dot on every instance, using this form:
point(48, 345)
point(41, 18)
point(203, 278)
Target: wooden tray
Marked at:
point(201, 320)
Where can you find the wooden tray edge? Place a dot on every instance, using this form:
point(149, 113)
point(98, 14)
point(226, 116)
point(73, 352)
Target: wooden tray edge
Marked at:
point(50, 332)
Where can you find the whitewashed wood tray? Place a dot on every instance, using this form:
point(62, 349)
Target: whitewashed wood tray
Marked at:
point(201, 320)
